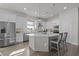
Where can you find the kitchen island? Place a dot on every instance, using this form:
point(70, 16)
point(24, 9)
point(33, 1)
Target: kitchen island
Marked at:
point(40, 41)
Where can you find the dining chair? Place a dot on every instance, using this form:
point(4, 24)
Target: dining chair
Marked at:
point(54, 43)
point(64, 38)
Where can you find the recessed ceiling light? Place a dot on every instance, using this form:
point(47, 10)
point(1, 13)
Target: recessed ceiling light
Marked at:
point(24, 8)
point(65, 7)
point(53, 5)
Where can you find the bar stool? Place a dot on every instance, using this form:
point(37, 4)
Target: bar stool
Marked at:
point(54, 43)
point(64, 38)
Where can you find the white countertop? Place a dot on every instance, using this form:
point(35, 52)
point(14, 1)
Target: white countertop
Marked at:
point(41, 34)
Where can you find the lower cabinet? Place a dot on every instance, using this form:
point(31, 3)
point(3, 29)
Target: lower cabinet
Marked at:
point(2, 43)
point(7, 41)
point(41, 43)
point(19, 37)
point(10, 41)
point(38, 43)
point(32, 42)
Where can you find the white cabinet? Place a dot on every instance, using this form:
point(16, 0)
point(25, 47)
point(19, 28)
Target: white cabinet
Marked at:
point(19, 37)
point(7, 16)
point(3, 17)
point(38, 43)
point(11, 18)
point(32, 42)
point(41, 43)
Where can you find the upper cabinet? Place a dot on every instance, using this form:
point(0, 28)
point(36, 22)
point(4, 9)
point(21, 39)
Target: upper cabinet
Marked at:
point(11, 17)
point(7, 16)
point(21, 23)
point(3, 17)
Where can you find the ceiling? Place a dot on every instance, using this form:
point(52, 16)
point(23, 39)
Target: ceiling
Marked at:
point(40, 10)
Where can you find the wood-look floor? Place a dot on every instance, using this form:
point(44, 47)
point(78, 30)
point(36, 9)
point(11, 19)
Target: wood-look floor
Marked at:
point(23, 49)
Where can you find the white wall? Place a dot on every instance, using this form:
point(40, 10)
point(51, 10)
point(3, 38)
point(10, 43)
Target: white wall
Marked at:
point(68, 22)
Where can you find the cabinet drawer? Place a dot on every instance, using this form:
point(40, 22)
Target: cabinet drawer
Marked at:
point(1, 43)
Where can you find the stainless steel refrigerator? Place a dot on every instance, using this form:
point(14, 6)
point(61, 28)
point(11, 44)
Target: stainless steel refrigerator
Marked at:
point(7, 33)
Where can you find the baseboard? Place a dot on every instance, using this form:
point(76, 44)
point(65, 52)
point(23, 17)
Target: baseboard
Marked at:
point(72, 43)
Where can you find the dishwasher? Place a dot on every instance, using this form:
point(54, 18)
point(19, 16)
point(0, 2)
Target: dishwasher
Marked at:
point(25, 37)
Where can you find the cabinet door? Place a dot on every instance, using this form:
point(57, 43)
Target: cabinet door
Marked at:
point(19, 37)
point(3, 16)
point(32, 42)
point(1, 43)
point(41, 43)
point(11, 17)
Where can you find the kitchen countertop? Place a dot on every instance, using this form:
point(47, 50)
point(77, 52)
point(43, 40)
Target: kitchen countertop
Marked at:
point(41, 34)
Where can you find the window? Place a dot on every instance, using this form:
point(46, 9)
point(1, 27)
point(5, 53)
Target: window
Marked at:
point(30, 26)
point(29, 23)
